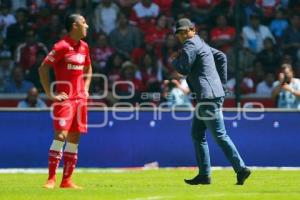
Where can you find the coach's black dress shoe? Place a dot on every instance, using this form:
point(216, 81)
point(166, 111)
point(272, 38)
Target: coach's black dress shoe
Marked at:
point(199, 179)
point(242, 176)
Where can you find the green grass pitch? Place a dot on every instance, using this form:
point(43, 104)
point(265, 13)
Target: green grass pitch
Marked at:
point(155, 185)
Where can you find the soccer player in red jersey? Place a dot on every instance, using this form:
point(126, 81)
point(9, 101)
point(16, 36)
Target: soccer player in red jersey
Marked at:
point(71, 63)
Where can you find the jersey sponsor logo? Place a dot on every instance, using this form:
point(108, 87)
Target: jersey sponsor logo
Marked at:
point(80, 58)
point(74, 67)
point(76, 58)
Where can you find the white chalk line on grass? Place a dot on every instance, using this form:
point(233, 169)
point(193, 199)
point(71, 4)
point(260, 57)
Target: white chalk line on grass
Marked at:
point(124, 170)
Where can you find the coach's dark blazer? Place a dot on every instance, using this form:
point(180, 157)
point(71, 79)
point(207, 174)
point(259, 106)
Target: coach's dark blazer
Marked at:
point(205, 68)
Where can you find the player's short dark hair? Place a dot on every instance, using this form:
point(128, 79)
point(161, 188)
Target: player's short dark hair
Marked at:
point(69, 20)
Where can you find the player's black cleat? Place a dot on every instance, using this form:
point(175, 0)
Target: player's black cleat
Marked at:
point(242, 176)
point(199, 179)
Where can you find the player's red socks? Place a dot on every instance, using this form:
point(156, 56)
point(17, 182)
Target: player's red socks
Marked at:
point(70, 161)
point(54, 160)
point(55, 155)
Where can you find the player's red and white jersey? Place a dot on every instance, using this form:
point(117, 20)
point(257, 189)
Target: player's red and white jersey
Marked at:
point(69, 58)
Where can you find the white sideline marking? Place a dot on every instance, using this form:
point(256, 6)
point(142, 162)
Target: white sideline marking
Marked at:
point(122, 170)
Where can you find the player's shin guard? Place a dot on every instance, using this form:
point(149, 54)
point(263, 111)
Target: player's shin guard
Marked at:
point(55, 155)
point(70, 161)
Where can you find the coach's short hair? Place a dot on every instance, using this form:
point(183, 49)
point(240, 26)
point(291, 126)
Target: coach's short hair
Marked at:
point(69, 20)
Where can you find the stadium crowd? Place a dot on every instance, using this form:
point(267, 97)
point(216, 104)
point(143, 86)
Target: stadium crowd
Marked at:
point(132, 40)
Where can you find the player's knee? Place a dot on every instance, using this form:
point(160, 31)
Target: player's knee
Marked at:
point(73, 138)
point(60, 136)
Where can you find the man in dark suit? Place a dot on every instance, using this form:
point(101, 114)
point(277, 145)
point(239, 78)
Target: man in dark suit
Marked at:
point(206, 71)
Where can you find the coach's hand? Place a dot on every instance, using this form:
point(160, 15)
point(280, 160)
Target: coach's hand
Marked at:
point(59, 97)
